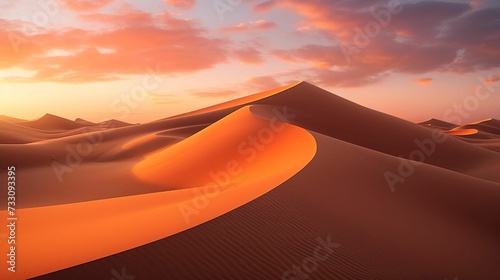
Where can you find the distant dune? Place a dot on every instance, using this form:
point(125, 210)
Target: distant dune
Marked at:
point(251, 188)
point(51, 122)
point(10, 119)
point(484, 133)
point(114, 123)
point(490, 126)
point(439, 124)
point(84, 122)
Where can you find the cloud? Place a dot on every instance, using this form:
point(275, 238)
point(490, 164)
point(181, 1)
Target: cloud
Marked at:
point(492, 79)
point(181, 4)
point(264, 6)
point(258, 25)
point(85, 5)
point(367, 42)
point(423, 81)
point(478, 33)
point(135, 41)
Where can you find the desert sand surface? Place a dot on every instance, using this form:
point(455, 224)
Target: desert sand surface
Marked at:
point(251, 188)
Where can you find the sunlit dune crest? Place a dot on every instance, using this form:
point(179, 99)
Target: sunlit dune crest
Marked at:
point(485, 127)
point(173, 166)
point(462, 131)
point(488, 120)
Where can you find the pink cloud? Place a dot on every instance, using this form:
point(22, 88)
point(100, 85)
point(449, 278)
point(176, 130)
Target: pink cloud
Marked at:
point(264, 6)
point(85, 5)
point(181, 4)
point(258, 25)
point(492, 79)
point(135, 42)
point(423, 81)
point(403, 44)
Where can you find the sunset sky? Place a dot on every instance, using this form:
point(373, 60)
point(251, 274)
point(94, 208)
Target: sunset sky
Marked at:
point(138, 61)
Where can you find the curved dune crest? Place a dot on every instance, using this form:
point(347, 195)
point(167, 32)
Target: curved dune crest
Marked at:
point(229, 153)
point(462, 131)
point(96, 228)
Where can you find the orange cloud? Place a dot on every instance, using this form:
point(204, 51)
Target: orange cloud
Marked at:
point(423, 81)
point(258, 25)
point(134, 42)
point(181, 4)
point(264, 6)
point(85, 5)
point(492, 79)
point(401, 44)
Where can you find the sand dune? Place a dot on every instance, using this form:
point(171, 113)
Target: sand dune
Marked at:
point(243, 187)
point(488, 122)
point(10, 119)
point(51, 122)
point(438, 124)
point(114, 123)
point(265, 177)
point(462, 131)
point(484, 134)
point(489, 126)
point(368, 225)
point(11, 133)
point(84, 122)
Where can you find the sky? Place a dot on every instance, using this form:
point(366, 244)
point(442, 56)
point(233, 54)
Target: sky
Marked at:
point(139, 61)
